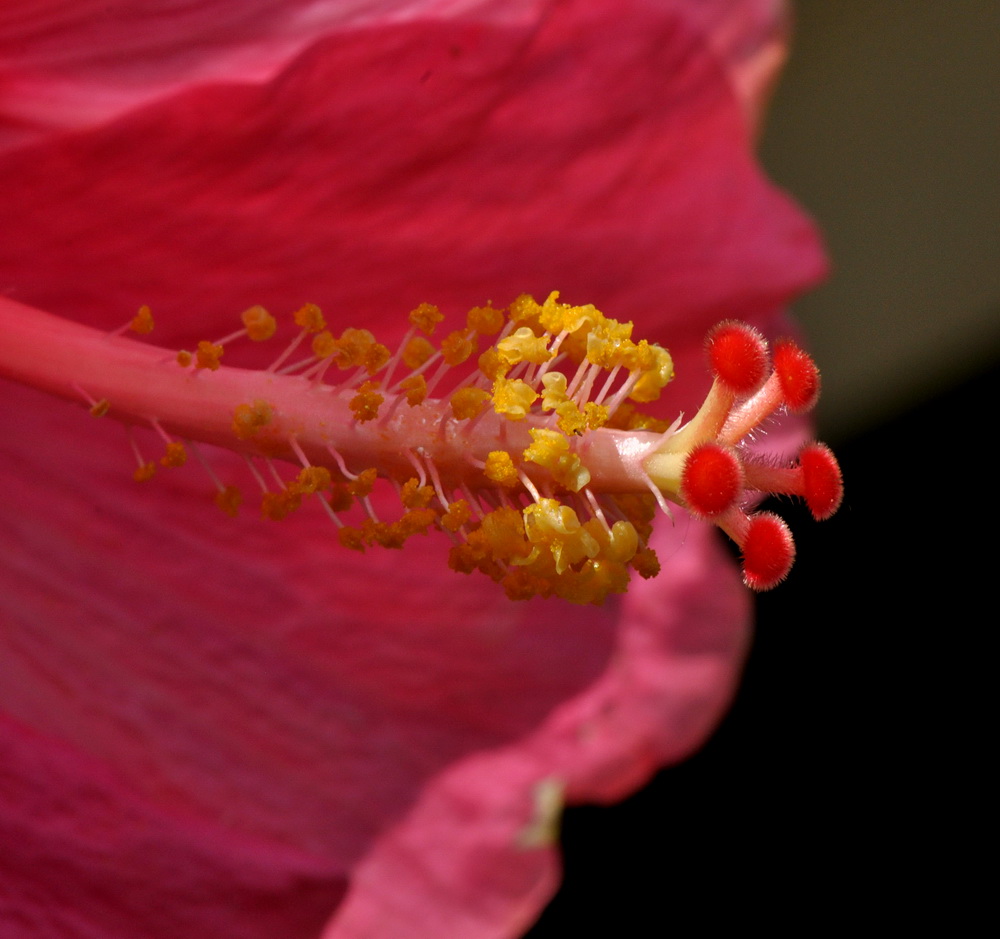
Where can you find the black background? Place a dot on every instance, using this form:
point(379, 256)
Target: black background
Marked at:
point(842, 785)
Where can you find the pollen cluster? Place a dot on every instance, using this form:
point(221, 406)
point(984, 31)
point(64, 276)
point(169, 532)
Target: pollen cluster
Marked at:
point(518, 436)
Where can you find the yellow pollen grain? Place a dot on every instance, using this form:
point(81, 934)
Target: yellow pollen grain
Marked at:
point(324, 345)
point(597, 415)
point(512, 398)
point(229, 500)
point(458, 514)
point(208, 355)
point(279, 505)
point(352, 538)
point(415, 496)
point(492, 365)
point(376, 357)
point(310, 318)
point(417, 351)
point(260, 325)
point(467, 403)
point(524, 346)
point(485, 320)
point(415, 389)
point(456, 347)
point(352, 347)
point(426, 317)
point(609, 344)
point(184, 358)
point(312, 479)
point(525, 308)
point(363, 485)
point(248, 419)
point(657, 369)
point(142, 322)
point(341, 498)
point(554, 390)
point(571, 419)
point(176, 455)
point(500, 468)
point(417, 521)
point(646, 564)
point(365, 404)
point(550, 449)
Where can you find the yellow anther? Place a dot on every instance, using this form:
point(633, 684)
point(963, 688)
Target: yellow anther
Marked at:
point(365, 404)
point(491, 365)
point(551, 524)
point(550, 449)
point(260, 325)
point(310, 318)
point(485, 320)
point(513, 398)
point(619, 544)
point(279, 505)
point(561, 317)
point(646, 564)
point(352, 538)
point(502, 533)
point(142, 322)
point(363, 485)
point(571, 419)
point(524, 346)
point(100, 408)
point(456, 347)
point(467, 403)
point(208, 355)
point(554, 393)
point(229, 500)
point(597, 415)
point(376, 357)
point(526, 309)
point(426, 317)
point(351, 349)
point(248, 419)
point(176, 455)
point(184, 358)
point(324, 345)
point(415, 389)
point(458, 514)
point(144, 472)
point(416, 522)
point(657, 370)
point(500, 468)
point(417, 351)
point(311, 479)
point(341, 498)
point(415, 496)
point(609, 344)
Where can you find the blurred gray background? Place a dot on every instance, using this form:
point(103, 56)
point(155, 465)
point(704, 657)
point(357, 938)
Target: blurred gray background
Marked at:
point(886, 127)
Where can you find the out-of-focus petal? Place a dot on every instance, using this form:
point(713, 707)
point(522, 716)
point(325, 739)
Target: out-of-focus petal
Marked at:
point(70, 66)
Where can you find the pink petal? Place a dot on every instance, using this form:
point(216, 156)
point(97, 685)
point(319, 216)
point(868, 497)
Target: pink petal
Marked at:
point(58, 73)
point(274, 723)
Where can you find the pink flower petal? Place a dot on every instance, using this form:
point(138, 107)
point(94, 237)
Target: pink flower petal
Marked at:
point(280, 721)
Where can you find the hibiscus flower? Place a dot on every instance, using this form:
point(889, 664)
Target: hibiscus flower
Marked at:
point(234, 727)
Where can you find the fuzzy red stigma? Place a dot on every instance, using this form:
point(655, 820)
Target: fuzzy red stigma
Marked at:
point(737, 355)
point(712, 480)
point(768, 551)
point(821, 480)
point(798, 376)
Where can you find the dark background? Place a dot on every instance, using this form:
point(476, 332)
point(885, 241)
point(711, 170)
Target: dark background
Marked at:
point(843, 787)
